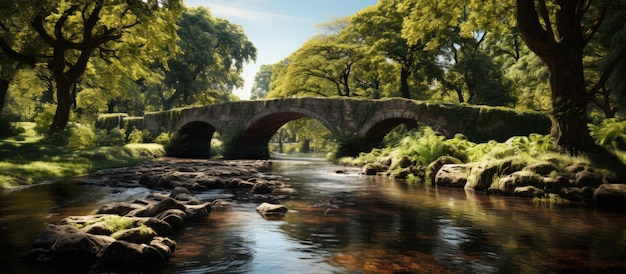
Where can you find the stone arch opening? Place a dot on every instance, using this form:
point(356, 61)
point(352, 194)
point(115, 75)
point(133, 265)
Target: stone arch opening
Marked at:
point(193, 141)
point(374, 135)
point(254, 142)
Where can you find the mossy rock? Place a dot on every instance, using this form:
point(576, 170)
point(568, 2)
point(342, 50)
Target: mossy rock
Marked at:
point(433, 168)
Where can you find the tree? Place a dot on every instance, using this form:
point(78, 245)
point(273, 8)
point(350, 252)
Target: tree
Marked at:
point(71, 32)
point(208, 68)
point(558, 34)
point(381, 27)
point(262, 79)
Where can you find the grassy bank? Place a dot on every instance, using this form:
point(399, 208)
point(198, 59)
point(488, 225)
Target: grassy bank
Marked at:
point(27, 158)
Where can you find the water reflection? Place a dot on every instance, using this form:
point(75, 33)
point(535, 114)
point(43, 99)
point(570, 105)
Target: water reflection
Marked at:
point(341, 223)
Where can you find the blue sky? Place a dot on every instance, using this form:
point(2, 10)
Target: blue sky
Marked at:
point(277, 27)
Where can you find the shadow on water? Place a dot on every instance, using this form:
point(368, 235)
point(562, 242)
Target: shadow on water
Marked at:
point(346, 223)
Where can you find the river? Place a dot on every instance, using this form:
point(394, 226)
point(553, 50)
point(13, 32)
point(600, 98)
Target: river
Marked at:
point(347, 223)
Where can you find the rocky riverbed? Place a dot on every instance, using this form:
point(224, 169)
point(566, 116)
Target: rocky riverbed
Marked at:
point(134, 234)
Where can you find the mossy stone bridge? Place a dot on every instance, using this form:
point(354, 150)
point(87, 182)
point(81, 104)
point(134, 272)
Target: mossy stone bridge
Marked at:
point(245, 127)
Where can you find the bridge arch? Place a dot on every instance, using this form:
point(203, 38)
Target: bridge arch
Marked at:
point(261, 127)
point(193, 138)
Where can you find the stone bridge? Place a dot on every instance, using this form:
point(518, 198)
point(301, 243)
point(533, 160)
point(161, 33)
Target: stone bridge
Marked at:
point(358, 125)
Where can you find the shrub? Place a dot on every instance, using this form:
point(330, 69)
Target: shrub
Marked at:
point(74, 135)
point(43, 120)
point(113, 137)
point(135, 137)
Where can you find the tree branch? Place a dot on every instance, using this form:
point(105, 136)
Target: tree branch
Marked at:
point(594, 28)
point(8, 51)
point(608, 71)
point(546, 17)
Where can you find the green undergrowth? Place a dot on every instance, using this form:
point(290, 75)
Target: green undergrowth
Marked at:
point(27, 158)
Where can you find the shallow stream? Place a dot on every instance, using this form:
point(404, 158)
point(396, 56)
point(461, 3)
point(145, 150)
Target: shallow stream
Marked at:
point(347, 223)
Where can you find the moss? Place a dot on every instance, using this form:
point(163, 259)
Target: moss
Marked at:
point(110, 120)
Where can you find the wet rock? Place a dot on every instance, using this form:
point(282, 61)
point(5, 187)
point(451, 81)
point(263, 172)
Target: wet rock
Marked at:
point(219, 203)
point(174, 217)
point(79, 246)
point(160, 227)
point(452, 175)
point(588, 178)
point(262, 188)
point(509, 183)
point(610, 195)
point(138, 235)
point(154, 208)
point(542, 168)
point(271, 209)
point(122, 253)
point(197, 211)
point(528, 191)
point(52, 233)
point(578, 194)
point(374, 169)
point(433, 168)
point(481, 176)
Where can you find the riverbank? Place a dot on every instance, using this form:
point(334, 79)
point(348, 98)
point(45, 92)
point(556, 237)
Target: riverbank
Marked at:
point(28, 159)
point(526, 166)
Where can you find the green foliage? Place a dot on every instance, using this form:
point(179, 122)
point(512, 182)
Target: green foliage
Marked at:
point(610, 133)
point(207, 70)
point(113, 137)
point(137, 136)
point(74, 136)
point(44, 119)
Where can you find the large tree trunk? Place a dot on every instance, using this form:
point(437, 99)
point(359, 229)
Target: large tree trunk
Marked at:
point(4, 89)
point(569, 103)
point(563, 56)
point(404, 82)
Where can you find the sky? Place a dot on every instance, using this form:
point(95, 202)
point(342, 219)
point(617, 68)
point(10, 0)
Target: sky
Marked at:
point(277, 27)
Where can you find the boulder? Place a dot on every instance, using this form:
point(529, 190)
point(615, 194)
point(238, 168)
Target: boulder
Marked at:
point(373, 169)
point(154, 208)
point(433, 168)
point(174, 217)
point(164, 246)
point(121, 253)
point(52, 233)
point(79, 246)
point(271, 209)
point(160, 227)
point(542, 168)
point(197, 211)
point(122, 208)
point(588, 178)
point(509, 183)
point(262, 188)
point(481, 175)
point(139, 235)
point(452, 175)
point(578, 194)
point(610, 195)
point(528, 191)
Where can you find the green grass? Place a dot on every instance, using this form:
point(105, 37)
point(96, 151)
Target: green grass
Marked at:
point(28, 159)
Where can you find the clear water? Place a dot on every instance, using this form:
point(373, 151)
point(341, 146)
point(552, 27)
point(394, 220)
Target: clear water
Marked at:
point(346, 223)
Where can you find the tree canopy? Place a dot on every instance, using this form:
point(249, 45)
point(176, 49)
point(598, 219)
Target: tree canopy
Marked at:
point(63, 36)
